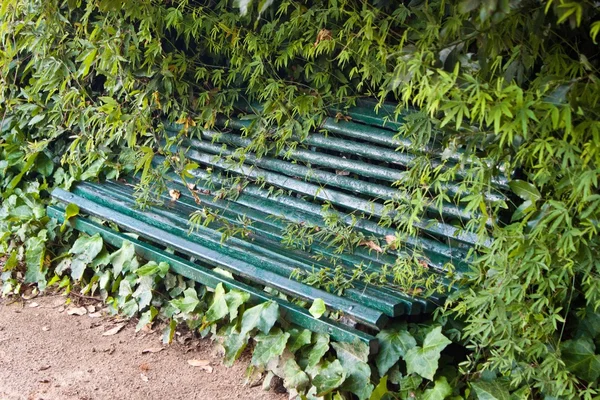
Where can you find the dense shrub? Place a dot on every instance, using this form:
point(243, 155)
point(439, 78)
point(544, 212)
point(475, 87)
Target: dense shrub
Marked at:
point(507, 86)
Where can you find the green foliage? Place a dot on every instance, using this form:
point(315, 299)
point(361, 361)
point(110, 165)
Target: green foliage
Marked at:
point(318, 308)
point(394, 343)
point(440, 391)
point(490, 391)
point(353, 358)
point(500, 87)
point(580, 358)
point(329, 378)
point(424, 359)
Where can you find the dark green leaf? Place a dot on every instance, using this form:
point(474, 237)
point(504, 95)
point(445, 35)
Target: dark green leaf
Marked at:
point(319, 349)
point(393, 344)
point(329, 378)
point(354, 358)
point(34, 259)
point(525, 190)
point(262, 317)
point(424, 360)
point(493, 390)
point(234, 344)
point(294, 377)
point(440, 390)
point(580, 358)
point(268, 347)
point(299, 339)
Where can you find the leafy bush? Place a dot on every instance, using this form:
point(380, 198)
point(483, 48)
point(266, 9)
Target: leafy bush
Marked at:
point(506, 87)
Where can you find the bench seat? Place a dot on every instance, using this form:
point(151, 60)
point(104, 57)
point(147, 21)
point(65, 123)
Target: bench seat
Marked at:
point(345, 174)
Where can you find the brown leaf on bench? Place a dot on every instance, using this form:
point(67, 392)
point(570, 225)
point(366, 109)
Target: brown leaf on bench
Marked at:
point(372, 245)
point(175, 194)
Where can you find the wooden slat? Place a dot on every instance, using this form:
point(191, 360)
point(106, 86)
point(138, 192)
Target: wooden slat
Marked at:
point(204, 275)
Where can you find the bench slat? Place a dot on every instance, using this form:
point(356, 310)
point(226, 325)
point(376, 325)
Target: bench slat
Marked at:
point(160, 230)
point(432, 227)
point(300, 210)
point(378, 191)
point(390, 301)
point(291, 312)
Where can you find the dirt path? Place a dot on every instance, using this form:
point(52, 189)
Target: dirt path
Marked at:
point(47, 354)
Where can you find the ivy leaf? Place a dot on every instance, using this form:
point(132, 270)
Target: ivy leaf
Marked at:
point(122, 257)
point(151, 268)
point(493, 390)
point(440, 391)
point(329, 378)
point(130, 308)
point(319, 349)
point(101, 259)
point(218, 309)
point(590, 325)
point(71, 211)
point(393, 344)
point(87, 246)
point(169, 332)
point(381, 389)
point(234, 345)
point(85, 249)
point(409, 384)
point(262, 316)
point(580, 358)
point(11, 262)
point(143, 293)
point(34, 260)
point(268, 347)
point(234, 299)
point(294, 377)
point(188, 303)
point(299, 339)
point(525, 190)
point(354, 358)
point(146, 318)
point(424, 360)
point(318, 308)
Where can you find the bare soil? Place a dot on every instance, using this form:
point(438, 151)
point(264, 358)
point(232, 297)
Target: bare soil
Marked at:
point(45, 353)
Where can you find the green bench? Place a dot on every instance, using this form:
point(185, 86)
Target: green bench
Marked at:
point(351, 169)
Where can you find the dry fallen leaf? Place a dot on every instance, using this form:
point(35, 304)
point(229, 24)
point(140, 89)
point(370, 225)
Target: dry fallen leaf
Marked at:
point(175, 194)
point(391, 241)
point(203, 364)
point(424, 264)
point(44, 367)
point(61, 308)
point(90, 309)
point(114, 330)
point(324, 34)
point(95, 314)
point(144, 377)
point(145, 367)
point(77, 311)
point(191, 186)
point(372, 245)
point(45, 328)
point(339, 116)
point(153, 350)
point(33, 304)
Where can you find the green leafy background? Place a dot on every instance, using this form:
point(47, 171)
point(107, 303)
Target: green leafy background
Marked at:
point(506, 87)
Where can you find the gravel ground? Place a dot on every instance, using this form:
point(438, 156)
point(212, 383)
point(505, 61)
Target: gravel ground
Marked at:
point(46, 353)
